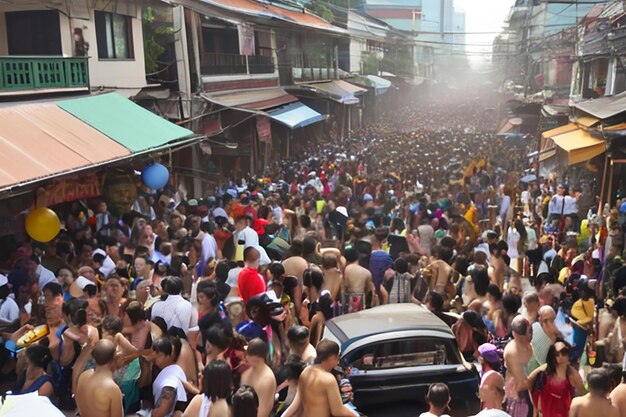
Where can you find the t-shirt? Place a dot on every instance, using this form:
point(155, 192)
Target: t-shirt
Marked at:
point(170, 376)
point(250, 283)
point(492, 412)
point(9, 311)
point(429, 414)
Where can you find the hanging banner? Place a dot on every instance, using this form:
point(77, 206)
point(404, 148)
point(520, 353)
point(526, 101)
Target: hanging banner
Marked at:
point(264, 129)
point(76, 188)
point(246, 39)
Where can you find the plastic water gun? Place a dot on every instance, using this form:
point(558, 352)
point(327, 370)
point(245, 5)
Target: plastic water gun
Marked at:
point(27, 339)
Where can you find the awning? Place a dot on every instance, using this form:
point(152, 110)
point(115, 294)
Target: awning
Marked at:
point(43, 140)
point(586, 121)
point(604, 107)
point(559, 130)
point(548, 148)
point(579, 145)
point(251, 99)
point(381, 86)
point(526, 123)
point(130, 125)
point(337, 90)
point(295, 115)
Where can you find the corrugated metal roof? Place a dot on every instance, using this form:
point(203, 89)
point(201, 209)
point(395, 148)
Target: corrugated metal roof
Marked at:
point(125, 122)
point(272, 11)
point(41, 140)
point(251, 99)
point(295, 115)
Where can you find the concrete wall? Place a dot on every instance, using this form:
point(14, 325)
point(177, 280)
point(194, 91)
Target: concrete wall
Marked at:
point(102, 73)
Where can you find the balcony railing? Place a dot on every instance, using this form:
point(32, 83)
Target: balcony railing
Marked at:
point(233, 64)
point(19, 73)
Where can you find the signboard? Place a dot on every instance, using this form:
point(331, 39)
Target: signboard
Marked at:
point(246, 39)
point(76, 188)
point(264, 129)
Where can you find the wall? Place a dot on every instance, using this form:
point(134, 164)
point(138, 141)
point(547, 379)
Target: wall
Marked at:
point(102, 73)
point(357, 46)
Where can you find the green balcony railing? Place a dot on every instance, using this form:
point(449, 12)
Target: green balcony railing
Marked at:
point(18, 73)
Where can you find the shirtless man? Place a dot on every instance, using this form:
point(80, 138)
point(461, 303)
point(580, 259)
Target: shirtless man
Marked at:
point(492, 395)
point(295, 266)
point(260, 376)
point(618, 398)
point(318, 391)
point(357, 283)
point(97, 394)
point(332, 275)
point(300, 345)
point(595, 403)
point(517, 354)
point(498, 266)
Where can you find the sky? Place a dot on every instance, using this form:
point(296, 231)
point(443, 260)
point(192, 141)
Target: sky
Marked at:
point(483, 16)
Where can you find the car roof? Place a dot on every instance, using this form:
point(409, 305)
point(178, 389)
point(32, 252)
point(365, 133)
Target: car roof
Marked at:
point(385, 319)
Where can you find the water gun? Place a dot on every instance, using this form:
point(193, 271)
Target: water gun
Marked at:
point(27, 339)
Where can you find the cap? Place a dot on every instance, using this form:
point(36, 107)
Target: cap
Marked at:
point(368, 197)
point(3, 280)
point(489, 352)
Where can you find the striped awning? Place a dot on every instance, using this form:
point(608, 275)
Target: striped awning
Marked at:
point(45, 140)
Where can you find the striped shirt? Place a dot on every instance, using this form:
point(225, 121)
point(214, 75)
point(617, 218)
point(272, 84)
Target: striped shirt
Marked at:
point(541, 344)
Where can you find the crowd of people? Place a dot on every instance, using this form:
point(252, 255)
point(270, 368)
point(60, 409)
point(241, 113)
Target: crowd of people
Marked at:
point(217, 306)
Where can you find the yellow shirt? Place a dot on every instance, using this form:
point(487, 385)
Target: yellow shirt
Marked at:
point(583, 311)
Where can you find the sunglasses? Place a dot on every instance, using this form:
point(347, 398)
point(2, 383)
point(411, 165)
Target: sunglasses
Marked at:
point(563, 352)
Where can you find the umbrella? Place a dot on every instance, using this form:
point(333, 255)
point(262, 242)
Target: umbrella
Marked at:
point(528, 178)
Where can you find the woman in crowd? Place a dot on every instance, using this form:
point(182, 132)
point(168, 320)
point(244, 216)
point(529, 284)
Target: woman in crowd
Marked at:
point(555, 384)
point(217, 386)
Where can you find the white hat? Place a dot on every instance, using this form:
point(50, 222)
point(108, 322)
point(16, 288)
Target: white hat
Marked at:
point(342, 210)
point(3, 280)
point(78, 286)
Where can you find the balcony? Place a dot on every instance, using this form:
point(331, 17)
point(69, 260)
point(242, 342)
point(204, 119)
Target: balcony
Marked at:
point(35, 74)
point(234, 64)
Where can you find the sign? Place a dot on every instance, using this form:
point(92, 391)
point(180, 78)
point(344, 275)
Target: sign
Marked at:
point(264, 129)
point(71, 189)
point(246, 39)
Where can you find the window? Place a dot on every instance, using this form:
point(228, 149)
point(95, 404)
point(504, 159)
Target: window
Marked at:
point(403, 353)
point(114, 36)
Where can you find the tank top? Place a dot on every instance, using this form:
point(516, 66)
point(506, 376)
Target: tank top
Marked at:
point(555, 398)
point(205, 407)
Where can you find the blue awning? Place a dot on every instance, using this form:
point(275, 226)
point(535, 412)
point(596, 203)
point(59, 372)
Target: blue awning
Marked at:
point(381, 85)
point(295, 115)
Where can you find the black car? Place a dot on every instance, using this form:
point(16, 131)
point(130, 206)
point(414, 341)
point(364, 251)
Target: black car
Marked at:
point(393, 353)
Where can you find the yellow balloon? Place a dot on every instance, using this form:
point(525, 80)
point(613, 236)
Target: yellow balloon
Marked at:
point(42, 224)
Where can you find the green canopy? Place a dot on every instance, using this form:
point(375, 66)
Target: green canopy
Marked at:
point(125, 122)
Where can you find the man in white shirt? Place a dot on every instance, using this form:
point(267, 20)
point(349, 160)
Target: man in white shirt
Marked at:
point(175, 310)
point(208, 250)
point(556, 206)
point(243, 232)
point(9, 311)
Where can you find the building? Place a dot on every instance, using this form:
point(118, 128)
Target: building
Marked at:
point(79, 46)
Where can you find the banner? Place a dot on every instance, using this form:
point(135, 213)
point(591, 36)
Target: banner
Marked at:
point(264, 129)
point(246, 39)
point(71, 189)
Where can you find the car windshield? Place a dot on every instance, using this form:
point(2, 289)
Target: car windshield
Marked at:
point(401, 353)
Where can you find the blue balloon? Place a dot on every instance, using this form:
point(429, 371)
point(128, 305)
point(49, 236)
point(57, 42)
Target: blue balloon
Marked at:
point(155, 176)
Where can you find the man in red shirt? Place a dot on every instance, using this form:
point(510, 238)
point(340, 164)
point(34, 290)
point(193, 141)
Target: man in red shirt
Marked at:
point(250, 282)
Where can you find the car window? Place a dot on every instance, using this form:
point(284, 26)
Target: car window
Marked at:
point(400, 353)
